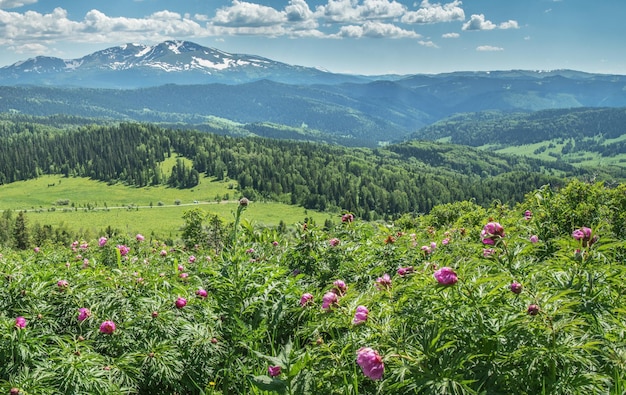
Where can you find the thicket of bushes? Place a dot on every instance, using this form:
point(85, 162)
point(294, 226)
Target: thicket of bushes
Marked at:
point(464, 300)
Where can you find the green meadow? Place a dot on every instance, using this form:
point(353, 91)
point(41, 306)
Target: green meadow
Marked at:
point(89, 206)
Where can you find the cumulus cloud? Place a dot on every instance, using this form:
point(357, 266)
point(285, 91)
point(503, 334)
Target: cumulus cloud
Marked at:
point(244, 14)
point(478, 22)
point(31, 48)
point(376, 30)
point(15, 3)
point(350, 11)
point(435, 13)
point(488, 48)
point(511, 24)
point(450, 35)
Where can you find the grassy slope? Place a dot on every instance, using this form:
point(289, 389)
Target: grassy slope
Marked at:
point(129, 207)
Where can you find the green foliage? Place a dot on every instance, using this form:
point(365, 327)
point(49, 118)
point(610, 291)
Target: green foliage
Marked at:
point(473, 336)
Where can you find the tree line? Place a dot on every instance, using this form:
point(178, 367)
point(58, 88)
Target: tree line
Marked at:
point(371, 183)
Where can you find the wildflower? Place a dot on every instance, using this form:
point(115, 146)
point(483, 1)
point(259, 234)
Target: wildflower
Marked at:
point(124, 250)
point(274, 243)
point(528, 215)
point(107, 327)
point(62, 284)
point(347, 218)
point(427, 250)
point(433, 245)
point(334, 242)
point(36, 249)
point(340, 287)
point(360, 316)
point(516, 287)
point(243, 202)
point(445, 276)
point(305, 299)
point(273, 370)
point(383, 282)
point(183, 275)
point(584, 235)
point(102, 241)
point(487, 252)
point(20, 322)
point(202, 293)
point(181, 302)
point(139, 237)
point(250, 251)
point(192, 259)
point(328, 300)
point(402, 271)
point(163, 252)
point(84, 246)
point(83, 313)
point(533, 309)
point(370, 362)
point(155, 314)
point(180, 268)
point(14, 391)
point(445, 241)
point(534, 239)
point(491, 232)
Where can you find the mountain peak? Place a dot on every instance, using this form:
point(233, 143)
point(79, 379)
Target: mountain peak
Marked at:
point(134, 65)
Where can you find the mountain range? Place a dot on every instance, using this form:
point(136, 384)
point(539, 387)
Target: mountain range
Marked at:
point(185, 83)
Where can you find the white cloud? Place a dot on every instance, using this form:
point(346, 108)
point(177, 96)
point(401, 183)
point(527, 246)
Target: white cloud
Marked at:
point(31, 48)
point(244, 14)
point(375, 30)
point(15, 3)
point(478, 22)
point(488, 48)
point(350, 11)
point(435, 13)
point(428, 44)
point(450, 35)
point(511, 24)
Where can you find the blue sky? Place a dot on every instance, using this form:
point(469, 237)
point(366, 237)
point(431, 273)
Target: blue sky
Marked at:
point(346, 36)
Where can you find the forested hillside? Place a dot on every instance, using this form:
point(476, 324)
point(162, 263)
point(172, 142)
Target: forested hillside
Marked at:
point(409, 177)
point(505, 129)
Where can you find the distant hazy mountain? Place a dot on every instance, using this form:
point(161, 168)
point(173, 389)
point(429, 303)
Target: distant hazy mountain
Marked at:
point(170, 62)
point(184, 83)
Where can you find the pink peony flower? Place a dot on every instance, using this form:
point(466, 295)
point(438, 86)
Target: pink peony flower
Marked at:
point(491, 232)
point(192, 259)
point(360, 316)
point(383, 282)
point(181, 268)
point(102, 241)
point(274, 243)
point(202, 293)
point(273, 370)
point(305, 299)
point(446, 276)
point(139, 237)
point(528, 215)
point(584, 235)
point(445, 241)
point(20, 322)
point(334, 242)
point(107, 327)
point(403, 271)
point(371, 363)
point(163, 252)
point(516, 287)
point(181, 302)
point(62, 284)
point(534, 239)
point(36, 249)
point(328, 300)
point(533, 309)
point(339, 287)
point(124, 250)
point(183, 275)
point(83, 313)
point(347, 218)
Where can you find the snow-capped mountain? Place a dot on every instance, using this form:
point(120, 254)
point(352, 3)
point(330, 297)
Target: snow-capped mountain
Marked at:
point(170, 62)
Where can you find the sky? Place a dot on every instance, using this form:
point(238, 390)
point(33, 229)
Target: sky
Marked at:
point(371, 37)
